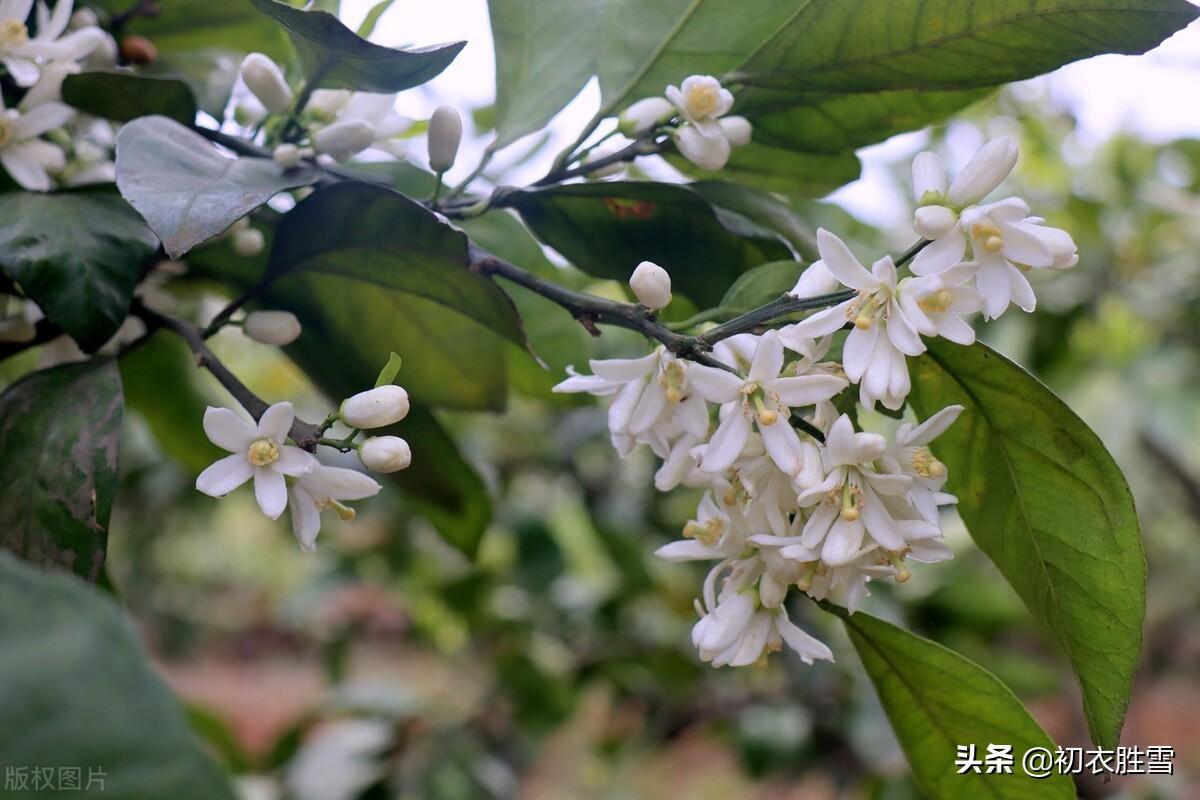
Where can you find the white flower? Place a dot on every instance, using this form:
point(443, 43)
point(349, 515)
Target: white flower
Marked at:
point(378, 111)
point(258, 452)
point(706, 152)
point(911, 456)
point(701, 100)
point(885, 329)
point(287, 156)
point(649, 394)
point(272, 327)
point(325, 487)
point(21, 55)
point(385, 453)
point(651, 285)
point(853, 516)
point(28, 159)
point(645, 115)
point(445, 134)
point(762, 400)
point(1006, 241)
point(816, 280)
point(940, 300)
point(265, 81)
point(737, 130)
point(375, 408)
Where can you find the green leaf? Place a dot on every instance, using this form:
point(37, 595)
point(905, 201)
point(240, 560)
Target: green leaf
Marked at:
point(764, 208)
point(78, 692)
point(607, 229)
point(776, 169)
point(545, 53)
point(183, 25)
point(1044, 499)
point(59, 436)
point(210, 73)
point(389, 372)
point(369, 233)
point(122, 96)
point(335, 57)
point(937, 700)
point(372, 19)
point(950, 44)
point(761, 285)
point(77, 255)
point(186, 189)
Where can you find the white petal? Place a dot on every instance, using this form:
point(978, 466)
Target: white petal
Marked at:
point(649, 409)
point(24, 72)
point(688, 550)
point(841, 446)
point(229, 431)
point(24, 170)
point(276, 421)
point(624, 370)
point(842, 263)
point(932, 427)
point(783, 445)
point(814, 281)
point(858, 351)
point(623, 405)
point(1023, 244)
point(879, 523)
point(750, 647)
point(994, 287)
point(45, 117)
point(768, 358)
point(306, 518)
point(294, 461)
point(693, 415)
point(983, 173)
point(270, 490)
point(807, 647)
point(804, 390)
point(928, 177)
point(941, 254)
point(713, 384)
point(225, 475)
point(710, 153)
point(340, 484)
point(1022, 292)
point(901, 332)
point(821, 323)
point(842, 542)
point(727, 443)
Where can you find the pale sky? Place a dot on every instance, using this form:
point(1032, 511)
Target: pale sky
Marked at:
point(1156, 95)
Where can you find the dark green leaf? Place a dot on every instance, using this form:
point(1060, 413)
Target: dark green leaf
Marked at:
point(184, 25)
point(185, 188)
point(78, 693)
point(761, 285)
point(389, 372)
point(78, 256)
point(545, 53)
point(333, 56)
point(938, 700)
point(776, 169)
point(59, 436)
point(369, 233)
point(606, 229)
point(764, 208)
point(1044, 499)
point(122, 96)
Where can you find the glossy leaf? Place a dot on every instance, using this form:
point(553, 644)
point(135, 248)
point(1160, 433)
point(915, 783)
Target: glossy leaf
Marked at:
point(369, 233)
point(122, 96)
point(764, 208)
point(937, 700)
point(545, 53)
point(78, 692)
point(390, 370)
point(335, 57)
point(1044, 499)
point(78, 256)
point(186, 189)
point(761, 285)
point(186, 25)
point(59, 436)
point(607, 229)
point(776, 169)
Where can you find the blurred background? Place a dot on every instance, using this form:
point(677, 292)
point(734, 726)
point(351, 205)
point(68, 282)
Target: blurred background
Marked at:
point(558, 663)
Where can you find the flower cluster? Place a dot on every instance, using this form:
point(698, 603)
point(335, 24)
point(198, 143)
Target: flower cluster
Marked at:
point(284, 475)
point(794, 496)
point(43, 142)
point(703, 134)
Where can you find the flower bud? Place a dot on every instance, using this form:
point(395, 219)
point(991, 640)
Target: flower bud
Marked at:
point(137, 50)
point(645, 115)
point(736, 129)
point(928, 178)
point(815, 280)
point(287, 156)
point(385, 453)
point(375, 408)
point(934, 222)
point(709, 153)
point(272, 327)
point(445, 134)
point(248, 242)
point(265, 81)
point(341, 140)
point(651, 285)
point(984, 172)
point(83, 18)
point(249, 113)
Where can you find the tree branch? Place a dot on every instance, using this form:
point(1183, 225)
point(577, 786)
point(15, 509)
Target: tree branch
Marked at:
point(44, 332)
point(306, 435)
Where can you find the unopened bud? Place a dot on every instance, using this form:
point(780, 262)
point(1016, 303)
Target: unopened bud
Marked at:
point(248, 242)
point(265, 81)
point(272, 327)
point(341, 140)
point(138, 50)
point(385, 453)
point(651, 285)
point(815, 280)
point(375, 408)
point(934, 222)
point(711, 153)
point(287, 156)
point(645, 115)
point(984, 172)
point(83, 18)
point(445, 134)
point(736, 129)
point(928, 178)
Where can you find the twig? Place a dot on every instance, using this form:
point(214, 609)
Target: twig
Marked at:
point(780, 307)
point(44, 332)
point(228, 311)
point(639, 147)
point(304, 434)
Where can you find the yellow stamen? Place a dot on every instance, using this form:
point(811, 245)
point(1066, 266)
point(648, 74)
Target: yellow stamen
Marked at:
point(937, 302)
point(936, 468)
point(766, 416)
point(902, 573)
point(863, 322)
point(804, 582)
point(344, 511)
point(263, 453)
point(849, 511)
point(993, 244)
